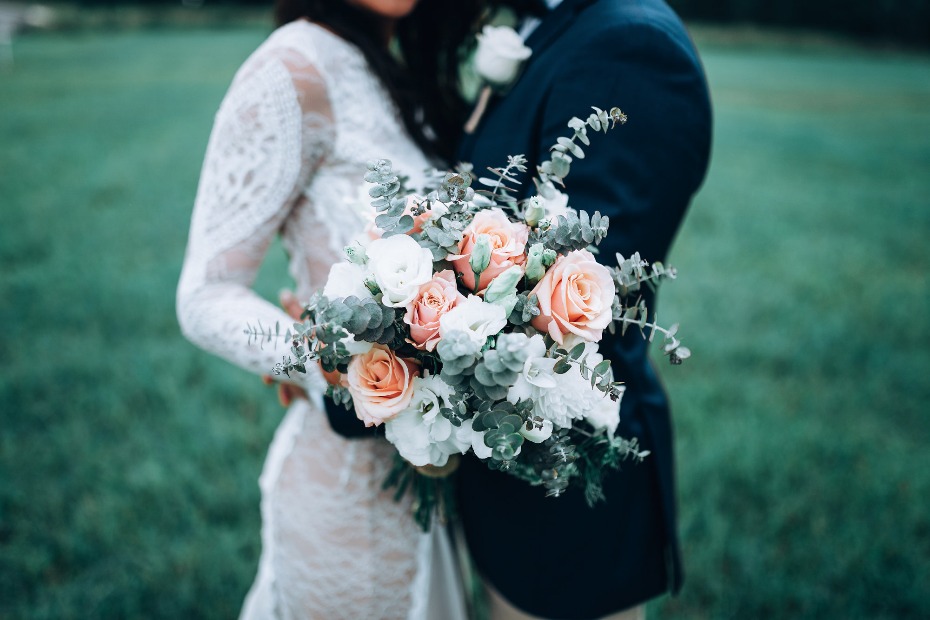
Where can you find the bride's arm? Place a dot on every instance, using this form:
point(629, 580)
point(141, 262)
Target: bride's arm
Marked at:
point(272, 130)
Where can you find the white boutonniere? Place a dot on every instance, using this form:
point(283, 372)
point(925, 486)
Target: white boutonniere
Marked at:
point(500, 55)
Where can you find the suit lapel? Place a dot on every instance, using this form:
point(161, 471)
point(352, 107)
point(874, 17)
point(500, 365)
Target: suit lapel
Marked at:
point(553, 25)
point(550, 28)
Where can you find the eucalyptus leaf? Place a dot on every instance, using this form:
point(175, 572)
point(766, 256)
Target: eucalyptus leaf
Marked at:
point(577, 351)
point(571, 147)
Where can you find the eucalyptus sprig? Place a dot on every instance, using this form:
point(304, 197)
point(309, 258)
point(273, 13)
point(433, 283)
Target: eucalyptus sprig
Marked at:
point(301, 341)
point(550, 464)
point(555, 170)
point(572, 231)
point(442, 235)
point(638, 314)
point(599, 375)
point(386, 185)
point(456, 188)
point(576, 229)
point(576, 457)
point(260, 334)
point(500, 193)
point(326, 324)
point(631, 273)
point(599, 451)
point(452, 201)
point(525, 309)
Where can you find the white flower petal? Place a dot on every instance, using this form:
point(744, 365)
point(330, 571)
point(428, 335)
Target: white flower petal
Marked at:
point(537, 435)
point(346, 279)
point(477, 444)
point(441, 429)
point(474, 317)
point(400, 266)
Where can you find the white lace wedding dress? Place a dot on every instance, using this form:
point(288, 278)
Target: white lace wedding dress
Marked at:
point(286, 156)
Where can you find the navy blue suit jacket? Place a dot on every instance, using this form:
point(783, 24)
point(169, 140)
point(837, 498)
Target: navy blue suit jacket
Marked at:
point(636, 55)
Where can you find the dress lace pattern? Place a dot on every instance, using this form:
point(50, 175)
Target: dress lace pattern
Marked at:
point(286, 157)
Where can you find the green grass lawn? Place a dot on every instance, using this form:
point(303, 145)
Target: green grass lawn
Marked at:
point(129, 459)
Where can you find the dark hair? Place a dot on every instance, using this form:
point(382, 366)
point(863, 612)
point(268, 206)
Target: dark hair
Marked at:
point(424, 83)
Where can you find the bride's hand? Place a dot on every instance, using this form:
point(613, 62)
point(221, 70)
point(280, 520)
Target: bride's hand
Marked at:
point(287, 392)
point(294, 309)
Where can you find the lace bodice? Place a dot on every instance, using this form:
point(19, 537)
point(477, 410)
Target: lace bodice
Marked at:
point(287, 155)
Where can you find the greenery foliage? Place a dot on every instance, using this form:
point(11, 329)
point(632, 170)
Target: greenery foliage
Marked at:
point(129, 459)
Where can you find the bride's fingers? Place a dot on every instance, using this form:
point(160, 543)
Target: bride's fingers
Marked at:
point(289, 302)
point(333, 378)
point(288, 393)
point(284, 396)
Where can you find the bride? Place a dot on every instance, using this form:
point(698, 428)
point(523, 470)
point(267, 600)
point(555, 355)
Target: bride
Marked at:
point(288, 150)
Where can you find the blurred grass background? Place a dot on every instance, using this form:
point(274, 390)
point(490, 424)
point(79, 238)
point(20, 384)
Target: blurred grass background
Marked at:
point(129, 459)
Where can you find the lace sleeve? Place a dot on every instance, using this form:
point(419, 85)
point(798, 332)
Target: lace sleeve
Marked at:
point(272, 130)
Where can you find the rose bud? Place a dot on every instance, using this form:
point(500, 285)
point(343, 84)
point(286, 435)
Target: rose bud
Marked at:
point(535, 211)
point(480, 255)
point(534, 263)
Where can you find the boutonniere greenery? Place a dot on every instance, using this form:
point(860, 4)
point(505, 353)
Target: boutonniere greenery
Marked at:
point(498, 59)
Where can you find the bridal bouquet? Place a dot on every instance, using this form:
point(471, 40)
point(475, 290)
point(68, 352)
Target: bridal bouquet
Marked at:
point(469, 321)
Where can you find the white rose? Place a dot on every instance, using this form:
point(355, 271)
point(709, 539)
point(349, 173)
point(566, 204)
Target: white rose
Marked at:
point(476, 318)
point(420, 433)
point(558, 399)
point(537, 375)
point(410, 436)
point(500, 53)
point(346, 279)
point(399, 266)
point(467, 437)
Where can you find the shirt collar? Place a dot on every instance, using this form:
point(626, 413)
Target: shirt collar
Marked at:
point(531, 23)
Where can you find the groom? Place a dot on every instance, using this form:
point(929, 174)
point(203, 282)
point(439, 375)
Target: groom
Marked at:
point(636, 55)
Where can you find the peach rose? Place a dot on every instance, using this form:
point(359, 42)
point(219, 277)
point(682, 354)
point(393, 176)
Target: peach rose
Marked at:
point(381, 384)
point(575, 297)
point(434, 299)
point(508, 246)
